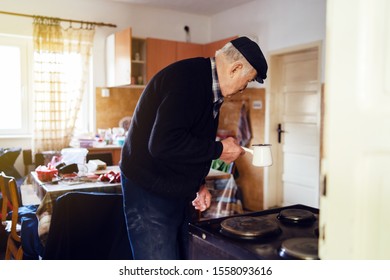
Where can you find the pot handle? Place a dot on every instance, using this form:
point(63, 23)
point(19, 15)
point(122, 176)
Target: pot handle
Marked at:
point(247, 150)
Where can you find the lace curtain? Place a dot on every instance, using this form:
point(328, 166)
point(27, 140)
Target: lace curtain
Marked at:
point(61, 69)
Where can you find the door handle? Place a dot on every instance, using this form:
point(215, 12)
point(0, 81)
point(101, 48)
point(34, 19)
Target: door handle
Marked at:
point(280, 131)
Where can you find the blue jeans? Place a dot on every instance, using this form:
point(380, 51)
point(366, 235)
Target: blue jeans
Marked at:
point(157, 226)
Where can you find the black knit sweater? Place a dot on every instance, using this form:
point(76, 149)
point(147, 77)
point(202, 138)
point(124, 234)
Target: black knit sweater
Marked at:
point(171, 139)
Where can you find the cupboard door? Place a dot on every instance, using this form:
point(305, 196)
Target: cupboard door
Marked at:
point(160, 53)
point(188, 50)
point(210, 48)
point(110, 60)
point(123, 57)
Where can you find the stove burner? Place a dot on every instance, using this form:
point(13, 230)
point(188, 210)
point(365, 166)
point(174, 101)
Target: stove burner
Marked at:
point(249, 227)
point(305, 248)
point(296, 216)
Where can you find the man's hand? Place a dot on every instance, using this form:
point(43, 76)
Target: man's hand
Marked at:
point(203, 199)
point(231, 150)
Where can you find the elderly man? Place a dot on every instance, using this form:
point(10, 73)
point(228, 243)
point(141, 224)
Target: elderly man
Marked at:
point(172, 141)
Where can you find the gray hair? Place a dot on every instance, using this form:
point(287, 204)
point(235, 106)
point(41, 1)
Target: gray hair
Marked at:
point(231, 54)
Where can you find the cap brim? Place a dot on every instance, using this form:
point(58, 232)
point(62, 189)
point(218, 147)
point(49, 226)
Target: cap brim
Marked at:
point(260, 80)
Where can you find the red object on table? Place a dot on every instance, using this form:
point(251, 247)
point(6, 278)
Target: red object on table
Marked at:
point(46, 174)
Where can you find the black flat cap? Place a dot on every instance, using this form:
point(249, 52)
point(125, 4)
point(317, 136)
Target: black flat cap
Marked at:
point(251, 51)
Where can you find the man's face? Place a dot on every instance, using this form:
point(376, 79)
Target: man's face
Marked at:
point(238, 81)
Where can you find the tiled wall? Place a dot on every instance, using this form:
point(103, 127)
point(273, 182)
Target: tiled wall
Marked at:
point(121, 103)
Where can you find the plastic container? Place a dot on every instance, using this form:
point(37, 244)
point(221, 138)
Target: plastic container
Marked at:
point(120, 140)
point(74, 155)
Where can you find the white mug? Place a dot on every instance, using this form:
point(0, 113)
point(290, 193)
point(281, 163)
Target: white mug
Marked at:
point(262, 155)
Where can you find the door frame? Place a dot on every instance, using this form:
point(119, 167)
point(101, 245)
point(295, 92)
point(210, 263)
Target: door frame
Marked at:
point(273, 188)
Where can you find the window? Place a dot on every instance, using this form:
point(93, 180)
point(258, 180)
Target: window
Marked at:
point(16, 95)
point(15, 112)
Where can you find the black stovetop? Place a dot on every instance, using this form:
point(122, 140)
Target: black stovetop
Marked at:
point(207, 241)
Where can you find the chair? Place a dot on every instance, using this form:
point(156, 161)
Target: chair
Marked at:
point(88, 226)
point(43, 158)
point(28, 162)
point(10, 197)
point(8, 156)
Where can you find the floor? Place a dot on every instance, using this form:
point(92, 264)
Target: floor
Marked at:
point(28, 195)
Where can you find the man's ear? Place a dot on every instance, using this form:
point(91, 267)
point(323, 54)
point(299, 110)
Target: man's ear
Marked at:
point(235, 68)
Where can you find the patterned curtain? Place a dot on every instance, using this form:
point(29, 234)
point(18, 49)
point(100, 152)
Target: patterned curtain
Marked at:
point(61, 70)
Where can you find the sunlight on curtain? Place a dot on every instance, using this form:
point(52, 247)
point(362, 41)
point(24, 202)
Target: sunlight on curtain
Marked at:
point(61, 69)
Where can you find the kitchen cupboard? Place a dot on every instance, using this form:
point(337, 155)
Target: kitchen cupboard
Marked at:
point(134, 61)
point(138, 61)
point(188, 50)
point(125, 59)
point(110, 60)
point(122, 57)
point(160, 53)
point(210, 48)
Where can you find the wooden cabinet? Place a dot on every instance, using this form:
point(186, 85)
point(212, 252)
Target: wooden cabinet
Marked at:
point(110, 60)
point(138, 61)
point(125, 59)
point(134, 61)
point(160, 53)
point(188, 50)
point(210, 48)
point(114, 150)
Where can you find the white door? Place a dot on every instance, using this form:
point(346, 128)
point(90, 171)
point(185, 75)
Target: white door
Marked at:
point(355, 201)
point(295, 127)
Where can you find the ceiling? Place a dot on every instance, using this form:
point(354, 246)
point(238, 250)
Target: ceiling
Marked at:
point(201, 7)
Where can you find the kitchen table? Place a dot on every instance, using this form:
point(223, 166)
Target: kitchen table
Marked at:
point(48, 192)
